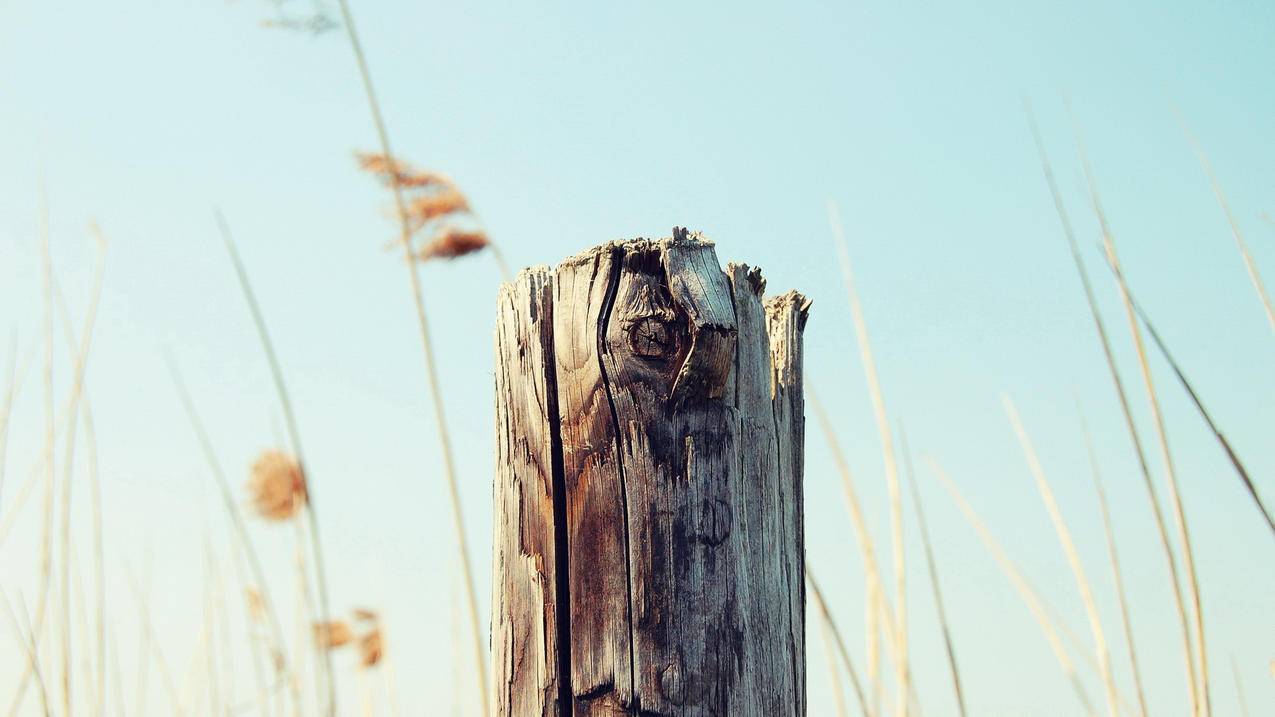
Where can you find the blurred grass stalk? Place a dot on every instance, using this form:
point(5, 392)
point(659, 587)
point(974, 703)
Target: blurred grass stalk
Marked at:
point(899, 629)
point(418, 301)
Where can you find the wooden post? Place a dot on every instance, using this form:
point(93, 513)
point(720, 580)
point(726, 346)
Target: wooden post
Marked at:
point(648, 493)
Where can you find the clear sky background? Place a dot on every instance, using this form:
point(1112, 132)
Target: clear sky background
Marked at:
point(569, 124)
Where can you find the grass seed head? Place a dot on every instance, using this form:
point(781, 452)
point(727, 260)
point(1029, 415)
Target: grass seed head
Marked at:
point(277, 486)
point(452, 242)
point(330, 635)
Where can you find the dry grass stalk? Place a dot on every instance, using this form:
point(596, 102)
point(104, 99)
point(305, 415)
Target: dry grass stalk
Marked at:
point(932, 566)
point(874, 605)
point(1114, 558)
point(1231, 455)
point(1203, 702)
point(1069, 549)
point(28, 647)
point(900, 627)
point(144, 618)
point(294, 435)
point(333, 634)
point(1239, 687)
point(830, 657)
point(449, 471)
point(1249, 265)
point(1011, 570)
point(7, 409)
point(1162, 530)
point(830, 626)
point(277, 487)
point(259, 603)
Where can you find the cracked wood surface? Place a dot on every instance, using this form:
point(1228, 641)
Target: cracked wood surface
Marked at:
point(648, 546)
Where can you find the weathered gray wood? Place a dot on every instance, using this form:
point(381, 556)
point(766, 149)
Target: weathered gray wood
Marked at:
point(525, 601)
point(657, 569)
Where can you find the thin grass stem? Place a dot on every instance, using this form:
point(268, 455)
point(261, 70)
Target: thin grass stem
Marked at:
point(1203, 703)
point(932, 567)
point(440, 421)
point(900, 628)
point(1011, 570)
point(831, 625)
point(1113, 556)
point(1126, 410)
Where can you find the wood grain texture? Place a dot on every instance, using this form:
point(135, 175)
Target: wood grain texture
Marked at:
point(657, 569)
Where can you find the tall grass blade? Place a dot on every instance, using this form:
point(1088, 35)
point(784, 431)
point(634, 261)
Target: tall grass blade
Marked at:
point(1069, 549)
point(831, 625)
point(1231, 455)
point(327, 706)
point(1125, 622)
point(1249, 265)
point(440, 421)
point(875, 605)
point(932, 567)
point(900, 627)
point(1126, 410)
point(1034, 603)
point(244, 540)
point(1203, 703)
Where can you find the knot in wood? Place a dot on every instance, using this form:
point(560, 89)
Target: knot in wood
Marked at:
point(653, 338)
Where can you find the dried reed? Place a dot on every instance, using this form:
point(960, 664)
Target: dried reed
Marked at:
point(418, 302)
point(243, 539)
point(1249, 265)
point(900, 627)
point(1125, 409)
point(1125, 622)
point(1203, 702)
point(1069, 549)
point(1034, 603)
point(1231, 455)
point(932, 566)
point(294, 436)
point(831, 626)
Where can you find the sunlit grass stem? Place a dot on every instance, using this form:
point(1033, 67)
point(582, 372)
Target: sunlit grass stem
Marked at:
point(449, 471)
point(1126, 410)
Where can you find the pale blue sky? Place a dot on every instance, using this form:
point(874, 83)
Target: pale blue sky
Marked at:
point(572, 124)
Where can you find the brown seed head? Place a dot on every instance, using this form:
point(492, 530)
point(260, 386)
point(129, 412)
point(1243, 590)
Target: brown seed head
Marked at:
point(256, 606)
point(370, 648)
point(392, 170)
point(425, 208)
point(452, 242)
point(277, 487)
point(329, 635)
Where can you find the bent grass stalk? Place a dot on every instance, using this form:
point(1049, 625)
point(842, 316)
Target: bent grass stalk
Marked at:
point(290, 422)
point(1204, 704)
point(867, 548)
point(1231, 455)
point(245, 545)
point(1249, 265)
point(1011, 570)
point(1069, 549)
point(1153, 499)
point(931, 565)
point(440, 421)
point(900, 628)
point(1122, 601)
point(831, 626)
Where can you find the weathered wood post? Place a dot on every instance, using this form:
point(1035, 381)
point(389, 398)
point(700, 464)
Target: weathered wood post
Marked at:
point(648, 526)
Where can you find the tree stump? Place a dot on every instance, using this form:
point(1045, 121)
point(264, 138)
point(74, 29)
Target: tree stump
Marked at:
point(648, 493)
